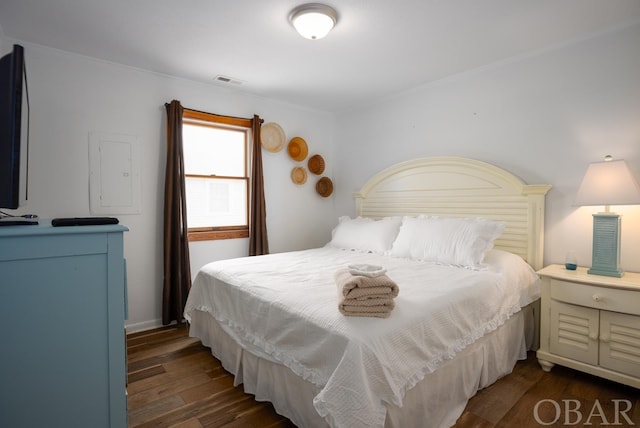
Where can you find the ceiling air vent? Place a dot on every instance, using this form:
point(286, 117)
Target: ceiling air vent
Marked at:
point(226, 79)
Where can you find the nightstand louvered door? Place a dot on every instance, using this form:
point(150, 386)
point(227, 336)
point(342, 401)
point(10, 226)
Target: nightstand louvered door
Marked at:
point(576, 333)
point(620, 342)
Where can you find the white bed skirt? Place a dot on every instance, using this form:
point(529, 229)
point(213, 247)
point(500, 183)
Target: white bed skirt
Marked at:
point(439, 398)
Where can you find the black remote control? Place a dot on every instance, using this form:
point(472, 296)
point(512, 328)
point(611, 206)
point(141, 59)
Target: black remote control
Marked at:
point(83, 221)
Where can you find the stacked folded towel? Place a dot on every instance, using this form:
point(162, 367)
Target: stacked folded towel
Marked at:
point(365, 291)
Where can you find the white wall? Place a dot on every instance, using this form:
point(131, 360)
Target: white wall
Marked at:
point(544, 117)
point(72, 96)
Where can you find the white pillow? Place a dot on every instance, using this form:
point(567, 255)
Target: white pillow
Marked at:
point(444, 240)
point(365, 234)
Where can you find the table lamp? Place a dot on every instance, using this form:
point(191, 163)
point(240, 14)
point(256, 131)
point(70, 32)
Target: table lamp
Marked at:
point(607, 183)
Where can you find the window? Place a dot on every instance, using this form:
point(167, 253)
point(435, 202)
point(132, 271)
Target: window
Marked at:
point(216, 178)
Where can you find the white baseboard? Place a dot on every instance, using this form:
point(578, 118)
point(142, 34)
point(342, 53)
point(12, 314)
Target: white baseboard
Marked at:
point(142, 326)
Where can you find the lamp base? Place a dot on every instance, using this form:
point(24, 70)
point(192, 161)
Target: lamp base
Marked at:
point(616, 273)
point(606, 245)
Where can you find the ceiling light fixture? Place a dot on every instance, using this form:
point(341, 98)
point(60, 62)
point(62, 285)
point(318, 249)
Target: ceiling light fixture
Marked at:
point(313, 20)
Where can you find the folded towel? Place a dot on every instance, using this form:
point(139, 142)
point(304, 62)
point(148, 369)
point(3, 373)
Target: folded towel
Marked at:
point(379, 311)
point(364, 296)
point(346, 282)
point(386, 302)
point(369, 293)
point(366, 270)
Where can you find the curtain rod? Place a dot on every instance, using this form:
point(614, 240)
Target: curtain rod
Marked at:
point(222, 115)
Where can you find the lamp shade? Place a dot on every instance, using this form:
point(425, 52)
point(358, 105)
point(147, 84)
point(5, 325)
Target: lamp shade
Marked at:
point(608, 183)
point(313, 21)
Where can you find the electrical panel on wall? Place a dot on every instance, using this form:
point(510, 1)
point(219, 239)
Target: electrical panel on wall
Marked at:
point(114, 177)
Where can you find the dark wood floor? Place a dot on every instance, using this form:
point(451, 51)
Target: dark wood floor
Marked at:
point(175, 382)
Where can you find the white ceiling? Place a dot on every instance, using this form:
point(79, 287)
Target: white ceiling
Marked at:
point(379, 47)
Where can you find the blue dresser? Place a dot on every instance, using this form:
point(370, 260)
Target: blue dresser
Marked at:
point(62, 340)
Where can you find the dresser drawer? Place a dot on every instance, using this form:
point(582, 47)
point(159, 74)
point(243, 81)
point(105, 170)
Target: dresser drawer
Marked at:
point(610, 299)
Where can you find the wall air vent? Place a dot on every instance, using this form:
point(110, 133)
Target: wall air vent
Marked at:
point(229, 80)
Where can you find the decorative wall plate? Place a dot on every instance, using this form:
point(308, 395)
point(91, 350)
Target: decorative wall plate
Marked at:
point(299, 175)
point(324, 187)
point(272, 137)
point(298, 149)
point(316, 164)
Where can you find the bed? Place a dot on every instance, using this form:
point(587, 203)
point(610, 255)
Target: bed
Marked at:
point(463, 316)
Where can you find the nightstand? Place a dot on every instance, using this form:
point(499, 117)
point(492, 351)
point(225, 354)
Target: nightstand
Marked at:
point(590, 323)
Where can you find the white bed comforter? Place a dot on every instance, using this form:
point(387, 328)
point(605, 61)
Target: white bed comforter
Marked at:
point(284, 307)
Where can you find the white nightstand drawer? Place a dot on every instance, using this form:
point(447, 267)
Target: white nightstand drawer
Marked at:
point(610, 299)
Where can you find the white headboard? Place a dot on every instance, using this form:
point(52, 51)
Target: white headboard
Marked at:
point(460, 187)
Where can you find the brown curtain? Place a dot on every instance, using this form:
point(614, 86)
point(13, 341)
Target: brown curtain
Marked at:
point(258, 242)
point(177, 273)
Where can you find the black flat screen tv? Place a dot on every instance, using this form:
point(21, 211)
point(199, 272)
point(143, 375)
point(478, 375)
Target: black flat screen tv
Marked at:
point(14, 130)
